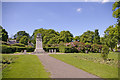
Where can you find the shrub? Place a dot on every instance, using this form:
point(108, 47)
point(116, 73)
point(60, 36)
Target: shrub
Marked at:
point(87, 47)
point(62, 48)
point(12, 49)
point(83, 47)
point(7, 49)
point(68, 50)
point(105, 51)
point(19, 49)
point(30, 49)
point(18, 44)
point(68, 47)
point(116, 48)
point(4, 43)
point(71, 50)
point(95, 48)
point(119, 47)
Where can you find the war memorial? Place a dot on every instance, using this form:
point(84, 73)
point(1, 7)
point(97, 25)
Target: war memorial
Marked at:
point(39, 48)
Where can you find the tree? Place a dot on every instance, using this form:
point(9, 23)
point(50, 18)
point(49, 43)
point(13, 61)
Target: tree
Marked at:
point(87, 36)
point(96, 37)
point(66, 36)
point(117, 32)
point(105, 52)
point(77, 38)
point(20, 34)
point(116, 11)
point(111, 35)
point(50, 36)
point(47, 35)
point(116, 14)
point(24, 40)
point(3, 34)
point(102, 40)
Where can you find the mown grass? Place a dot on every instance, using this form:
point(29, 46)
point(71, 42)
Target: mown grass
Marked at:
point(7, 59)
point(88, 64)
point(26, 66)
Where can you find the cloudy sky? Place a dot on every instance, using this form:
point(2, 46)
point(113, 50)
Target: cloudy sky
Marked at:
point(77, 17)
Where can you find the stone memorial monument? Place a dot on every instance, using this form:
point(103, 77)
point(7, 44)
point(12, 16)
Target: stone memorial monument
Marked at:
point(39, 48)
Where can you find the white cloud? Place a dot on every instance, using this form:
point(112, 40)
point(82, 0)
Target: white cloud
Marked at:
point(79, 9)
point(104, 1)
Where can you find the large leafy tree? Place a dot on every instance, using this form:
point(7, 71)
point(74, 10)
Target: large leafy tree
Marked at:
point(87, 37)
point(66, 36)
point(116, 14)
point(102, 40)
point(50, 36)
point(47, 35)
point(111, 36)
point(3, 34)
point(116, 10)
point(20, 34)
point(24, 40)
point(77, 38)
point(96, 37)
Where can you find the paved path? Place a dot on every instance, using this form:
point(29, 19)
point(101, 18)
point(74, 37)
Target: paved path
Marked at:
point(59, 69)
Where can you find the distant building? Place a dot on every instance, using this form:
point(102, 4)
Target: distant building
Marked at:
point(12, 41)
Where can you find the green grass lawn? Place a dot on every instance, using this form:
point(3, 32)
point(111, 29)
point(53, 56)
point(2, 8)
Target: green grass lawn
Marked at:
point(26, 66)
point(89, 63)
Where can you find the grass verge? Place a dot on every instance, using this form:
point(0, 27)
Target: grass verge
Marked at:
point(101, 70)
point(26, 66)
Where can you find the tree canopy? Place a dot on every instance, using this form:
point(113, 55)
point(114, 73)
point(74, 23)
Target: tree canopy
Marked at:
point(24, 40)
point(20, 34)
point(116, 14)
point(111, 36)
point(3, 34)
point(77, 38)
point(96, 37)
point(87, 37)
point(51, 36)
point(66, 36)
point(116, 10)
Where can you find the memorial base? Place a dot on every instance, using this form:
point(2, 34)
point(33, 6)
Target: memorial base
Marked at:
point(38, 51)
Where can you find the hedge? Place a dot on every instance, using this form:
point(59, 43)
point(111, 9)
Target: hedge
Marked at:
point(64, 49)
point(4, 43)
point(30, 49)
point(12, 49)
point(71, 50)
point(7, 49)
point(18, 44)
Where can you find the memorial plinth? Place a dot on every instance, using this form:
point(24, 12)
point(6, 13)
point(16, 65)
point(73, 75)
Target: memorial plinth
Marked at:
point(39, 48)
